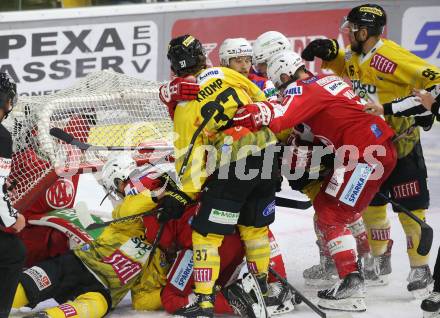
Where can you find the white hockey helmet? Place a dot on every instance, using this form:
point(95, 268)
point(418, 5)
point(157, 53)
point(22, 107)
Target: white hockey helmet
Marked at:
point(117, 168)
point(287, 62)
point(268, 44)
point(234, 47)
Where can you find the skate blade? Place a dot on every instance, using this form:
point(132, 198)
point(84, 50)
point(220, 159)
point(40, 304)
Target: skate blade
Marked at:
point(320, 283)
point(350, 304)
point(427, 314)
point(422, 293)
point(383, 280)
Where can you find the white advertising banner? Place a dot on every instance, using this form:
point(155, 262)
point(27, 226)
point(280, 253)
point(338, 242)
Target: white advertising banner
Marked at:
point(44, 60)
point(421, 32)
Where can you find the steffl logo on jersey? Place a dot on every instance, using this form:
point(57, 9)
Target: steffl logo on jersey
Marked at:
point(382, 64)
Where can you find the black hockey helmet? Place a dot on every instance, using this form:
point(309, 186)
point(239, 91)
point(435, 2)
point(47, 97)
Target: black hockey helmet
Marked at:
point(8, 92)
point(371, 16)
point(186, 55)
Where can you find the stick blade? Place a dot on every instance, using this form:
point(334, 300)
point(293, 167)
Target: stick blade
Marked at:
point(426, 238)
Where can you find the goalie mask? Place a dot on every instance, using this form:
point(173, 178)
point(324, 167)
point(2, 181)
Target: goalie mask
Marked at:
point(268, 44)
point(287, 62)
point(8, 93)
point(186, 54)
point(231, 48)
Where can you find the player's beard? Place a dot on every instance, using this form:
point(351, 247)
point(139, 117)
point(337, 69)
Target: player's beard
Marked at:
point(356, 45)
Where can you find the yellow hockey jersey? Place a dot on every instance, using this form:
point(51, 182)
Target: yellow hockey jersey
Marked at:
point(230, 90)
point(117, 258)
point(387, 72)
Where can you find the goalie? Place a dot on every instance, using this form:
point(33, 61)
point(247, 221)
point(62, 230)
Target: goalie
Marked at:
point(93, 279)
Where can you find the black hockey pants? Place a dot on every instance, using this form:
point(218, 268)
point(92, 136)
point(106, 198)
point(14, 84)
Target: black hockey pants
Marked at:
point(12, 256)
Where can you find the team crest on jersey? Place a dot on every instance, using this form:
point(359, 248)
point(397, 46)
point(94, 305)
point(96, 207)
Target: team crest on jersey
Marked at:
point(61, 194)
point(383, 64)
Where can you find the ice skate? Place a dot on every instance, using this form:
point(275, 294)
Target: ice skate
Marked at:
point(378, 269)
point(280, 299)
point(322, 275)
point(420, 281)
point(245, 297)
point(431, 306)
point(347, 294)
point(201, 307)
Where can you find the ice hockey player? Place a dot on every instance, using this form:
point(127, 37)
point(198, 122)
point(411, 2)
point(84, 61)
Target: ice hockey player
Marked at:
point(227, 199)
point(347, 191)
point(265, 46)
point(423, 104)
point(236, 53)
point(12, 250)
point(43, 242)
point(381, 70)
point(93, 279)
point(232, 297)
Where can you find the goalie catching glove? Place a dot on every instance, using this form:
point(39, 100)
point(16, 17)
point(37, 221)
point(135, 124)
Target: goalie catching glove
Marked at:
point(254, 116)
point(325, 49)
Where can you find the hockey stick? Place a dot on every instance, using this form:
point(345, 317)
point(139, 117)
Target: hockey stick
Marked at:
point(69, 139)
point(156, 242)
point(426, 235)
point(292, 203)
point(311, 305)
point(125, 218)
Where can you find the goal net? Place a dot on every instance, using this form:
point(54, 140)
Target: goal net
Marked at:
point(103, 109)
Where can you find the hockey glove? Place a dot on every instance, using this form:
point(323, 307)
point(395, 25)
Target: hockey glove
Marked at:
point(254, 116)
point(179, 89)
point(325, 49)
point(173, 205)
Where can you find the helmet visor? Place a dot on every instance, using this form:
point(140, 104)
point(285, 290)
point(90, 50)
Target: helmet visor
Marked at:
point(347, 26)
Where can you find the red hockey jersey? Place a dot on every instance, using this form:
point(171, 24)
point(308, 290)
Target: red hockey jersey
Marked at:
point(333, 112)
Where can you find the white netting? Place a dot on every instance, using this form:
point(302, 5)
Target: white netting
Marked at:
point(103, 109)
